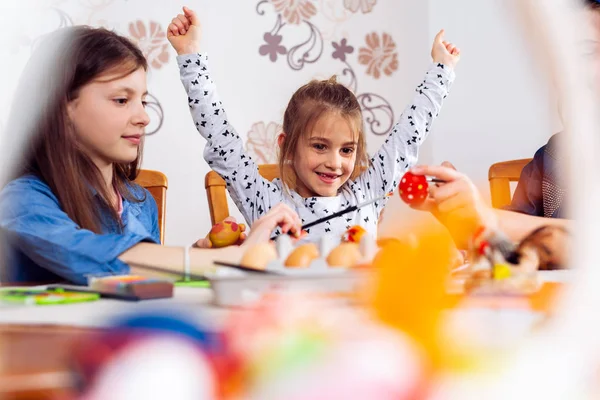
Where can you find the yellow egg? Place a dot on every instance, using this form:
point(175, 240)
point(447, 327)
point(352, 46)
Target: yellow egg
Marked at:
point(225, 234)
point(302, 256)
point(259, 256)
point(345, 255)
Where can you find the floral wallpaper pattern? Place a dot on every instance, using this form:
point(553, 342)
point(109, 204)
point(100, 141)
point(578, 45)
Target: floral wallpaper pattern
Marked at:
point(378, 54)
point(262, 142)
point(152, 40)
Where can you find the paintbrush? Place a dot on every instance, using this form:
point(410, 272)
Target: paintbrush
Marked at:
point(192, 276)
point(435, 180)
point(340, 213)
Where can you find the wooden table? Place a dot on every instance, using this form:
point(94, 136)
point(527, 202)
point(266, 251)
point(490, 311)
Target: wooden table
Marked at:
point(34, 360)
point(35, 341)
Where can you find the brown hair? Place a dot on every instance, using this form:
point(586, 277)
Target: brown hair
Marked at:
point(60, 66)
point(308, 104)
point(593, 4)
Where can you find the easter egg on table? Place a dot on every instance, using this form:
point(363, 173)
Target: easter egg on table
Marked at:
point(225, 234)
point(345, 255)
point(413, 188)
point(302, 256)
point(259, 256)
point(354, 234)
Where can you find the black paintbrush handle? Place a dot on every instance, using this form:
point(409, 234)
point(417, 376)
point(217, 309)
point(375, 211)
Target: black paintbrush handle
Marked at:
point(435, 180)
point(243, 268)
point(332, 216)
point(325, 219)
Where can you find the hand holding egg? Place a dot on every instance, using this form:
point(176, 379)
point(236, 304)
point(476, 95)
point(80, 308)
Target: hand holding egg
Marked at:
point(413, 189)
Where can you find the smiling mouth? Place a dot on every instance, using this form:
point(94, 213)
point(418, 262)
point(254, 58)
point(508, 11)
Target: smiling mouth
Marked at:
point(328, 177)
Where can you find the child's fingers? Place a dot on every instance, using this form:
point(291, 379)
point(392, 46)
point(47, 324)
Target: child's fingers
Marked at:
point(184, 20)
point(203, 243)
point(285, 226)
point(179, 25)
point(440, 36)
point(437, 171)
point(242, 238)
point(191, 16)
point(175, 21)
point(173, 30)
point(428, 205)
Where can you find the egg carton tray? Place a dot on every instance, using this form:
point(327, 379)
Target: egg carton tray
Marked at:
point(233, 287)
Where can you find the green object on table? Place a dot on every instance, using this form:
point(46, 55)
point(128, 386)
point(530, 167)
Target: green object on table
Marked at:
point(44, 296)
point(193, 283)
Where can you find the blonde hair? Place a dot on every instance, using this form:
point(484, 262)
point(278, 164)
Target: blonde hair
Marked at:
point(307, 106)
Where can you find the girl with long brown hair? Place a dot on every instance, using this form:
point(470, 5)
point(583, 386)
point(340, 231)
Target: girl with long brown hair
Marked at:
point(73, 210)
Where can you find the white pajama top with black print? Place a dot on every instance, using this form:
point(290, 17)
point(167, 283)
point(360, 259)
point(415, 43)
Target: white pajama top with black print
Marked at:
point(254, 195)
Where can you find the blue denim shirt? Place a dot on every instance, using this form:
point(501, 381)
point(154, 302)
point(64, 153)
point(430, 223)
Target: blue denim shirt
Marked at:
point(539, 191)
point(43, 244)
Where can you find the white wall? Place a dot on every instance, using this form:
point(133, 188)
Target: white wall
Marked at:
point(498, 108)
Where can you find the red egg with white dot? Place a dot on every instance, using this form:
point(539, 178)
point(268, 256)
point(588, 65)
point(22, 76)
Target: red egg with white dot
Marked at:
point(413, 189)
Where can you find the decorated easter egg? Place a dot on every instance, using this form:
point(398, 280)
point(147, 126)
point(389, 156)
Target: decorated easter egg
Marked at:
point(225, 233)
point(354, 234)
point(259, 256)
point(413, 188)
point(302, 256)
point(345, 255)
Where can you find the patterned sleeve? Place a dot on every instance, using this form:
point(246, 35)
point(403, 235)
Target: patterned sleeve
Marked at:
point(224, 151)
point(401, 147)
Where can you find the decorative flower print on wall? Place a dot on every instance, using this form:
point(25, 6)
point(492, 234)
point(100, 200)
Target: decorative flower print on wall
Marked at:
point(262, 142)
point(365, 6)
point(295, 11)
point(379, 56)
point(377, 111)
point(341, 49)
point(152, 40)
point(273, 46)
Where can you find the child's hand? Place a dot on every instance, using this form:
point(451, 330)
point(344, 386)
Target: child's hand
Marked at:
point(281, 216)
point(456, 203)
point(444, 52)
point(184, 32)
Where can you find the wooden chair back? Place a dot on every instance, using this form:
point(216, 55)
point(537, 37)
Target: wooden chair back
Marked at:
point(156, 183)
point(500, 175)
point(216, 191)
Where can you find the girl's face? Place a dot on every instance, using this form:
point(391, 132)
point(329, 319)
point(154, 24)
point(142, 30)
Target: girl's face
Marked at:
point(325, 159)
point(109, 117)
